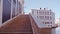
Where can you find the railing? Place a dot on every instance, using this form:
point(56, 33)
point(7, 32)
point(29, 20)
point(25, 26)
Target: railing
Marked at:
point(37, 21)
point(35, 27)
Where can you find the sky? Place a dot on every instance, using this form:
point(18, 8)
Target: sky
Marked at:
point(54, 5)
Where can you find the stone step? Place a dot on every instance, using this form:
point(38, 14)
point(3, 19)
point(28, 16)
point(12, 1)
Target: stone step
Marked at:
point(19, 24)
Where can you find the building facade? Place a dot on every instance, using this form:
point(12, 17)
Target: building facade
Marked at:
point(9, 9)
point(45, 19)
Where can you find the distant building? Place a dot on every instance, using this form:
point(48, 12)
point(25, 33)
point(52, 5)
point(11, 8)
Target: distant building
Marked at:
point(57, 21)
point(45, 19)
point(10, 9)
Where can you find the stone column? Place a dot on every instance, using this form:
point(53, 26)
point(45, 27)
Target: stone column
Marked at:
point(16, 8)
point(1, 10)
point(11, 8)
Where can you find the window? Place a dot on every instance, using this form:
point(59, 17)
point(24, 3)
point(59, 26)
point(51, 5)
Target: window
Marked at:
point(46, 22)
point(46, 13)
point(51, 22)
point(51, 13)
point(49, 25)
point(37, 16)
point(41, 13)
point(37, 11)
point(50, 18)
point(41, 17)
point(46, 17)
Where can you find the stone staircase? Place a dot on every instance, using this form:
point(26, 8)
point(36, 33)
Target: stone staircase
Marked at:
point(19, 25)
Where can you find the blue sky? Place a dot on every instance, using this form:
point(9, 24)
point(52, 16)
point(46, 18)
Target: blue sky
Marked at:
point(54, 5)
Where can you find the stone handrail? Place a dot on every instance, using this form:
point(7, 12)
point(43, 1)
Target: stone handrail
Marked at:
point(35, 27)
